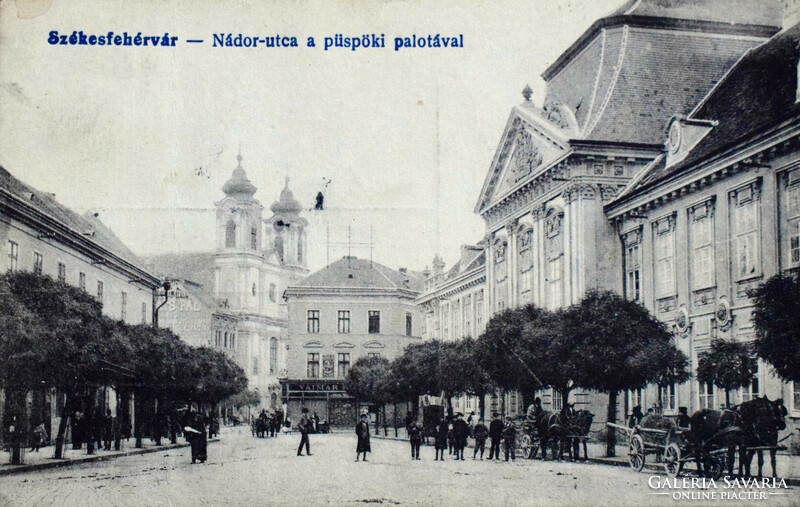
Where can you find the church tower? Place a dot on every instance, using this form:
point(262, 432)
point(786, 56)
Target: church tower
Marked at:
point(286, 235)
point(238, 256)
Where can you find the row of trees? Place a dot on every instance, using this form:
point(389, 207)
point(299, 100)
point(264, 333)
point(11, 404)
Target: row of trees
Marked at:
point(55, 336)
point(604, 343)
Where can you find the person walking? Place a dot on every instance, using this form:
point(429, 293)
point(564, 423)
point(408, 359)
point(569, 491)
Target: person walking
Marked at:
point(441, 438)
point(362, 430)
point(496, 434)
point(510, 438)
point(460, 435)
point(480, 433)
point(38, 436)
point(303, 426)
point(195, 432)
point(415, 437)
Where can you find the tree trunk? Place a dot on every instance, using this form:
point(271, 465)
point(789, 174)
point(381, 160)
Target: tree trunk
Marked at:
point(69, 403)
point(90, 421)
point(503, 403)
point(727, 398)
point(482, 404)
point(138, 400)
point(611, 433)
point(385, 425)
point(565, 396)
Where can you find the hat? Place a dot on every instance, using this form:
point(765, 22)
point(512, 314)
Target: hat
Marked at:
point(305, 410)
point(363, 415)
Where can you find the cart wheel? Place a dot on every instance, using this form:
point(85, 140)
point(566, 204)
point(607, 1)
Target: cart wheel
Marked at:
point(714, 467)
point(636, 453)
point(672, 460)
point(526, 445)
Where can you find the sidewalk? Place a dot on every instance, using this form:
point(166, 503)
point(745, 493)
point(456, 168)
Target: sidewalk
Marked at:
point(42, 460)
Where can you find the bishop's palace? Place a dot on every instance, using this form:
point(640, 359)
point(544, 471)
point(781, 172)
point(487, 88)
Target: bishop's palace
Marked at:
point(663, 163)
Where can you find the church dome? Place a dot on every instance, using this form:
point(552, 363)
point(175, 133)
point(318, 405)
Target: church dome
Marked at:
point(287, 204)
point(238, 185)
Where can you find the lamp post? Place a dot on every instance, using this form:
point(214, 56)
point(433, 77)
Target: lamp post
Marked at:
point(166, 286)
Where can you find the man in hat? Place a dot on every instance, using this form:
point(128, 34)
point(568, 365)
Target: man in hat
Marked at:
point(460, 435)
point(362, 430)
point(510, 438)
point(303, 426)
point(683, 421)
point(480, 433)
point(496, 435)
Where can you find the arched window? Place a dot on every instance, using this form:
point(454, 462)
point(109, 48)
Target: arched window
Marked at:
point(273, 355)
point(500, 275)
point(300, 247)
point(225, 343)
point(555, 257)
point(230, 234)
point(524, 242)
point(253, 238)
point(272, 291)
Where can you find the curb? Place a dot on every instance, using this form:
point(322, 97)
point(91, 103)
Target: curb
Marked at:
point(21, 469)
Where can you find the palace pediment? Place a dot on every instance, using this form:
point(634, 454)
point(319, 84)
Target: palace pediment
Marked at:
point(532, 140)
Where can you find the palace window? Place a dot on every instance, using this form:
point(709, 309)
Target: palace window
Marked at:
point(479, 312)
point(445, 321)
point(300, 248)
point(312, 365)
point(233, 340)
point(555, 257)
point(123, 313)
point(144, 313)
point(791, 221)
point(525, 239)
point(705, 395)
point(374, 322)
point(230, 234)
point(557, 402)
point(409, 326)
point(456, 320)
point(753, 390)
point(273, 355)
point(344, 321)
point(255, 365)
point(38, 261)
point(664, 253)
point(635, 398)
point(501, 276)
point(745, 225)
point(702, 238)
point(796, 396)
point(468, 316)
point(512, 402)
point(62, 272)
point(666, 395)
point(253, 238)
point(82, 280)
point(217, 338)
point(13, 256)
point(225, 340)
point(100, 291)
point(633, 265)
point(313, 321)
point(344, 364)
point(469, 402)
point(272, 292)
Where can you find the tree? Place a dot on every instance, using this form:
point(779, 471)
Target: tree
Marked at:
point(728, 364)
point(550, 353)
point(777, 320)
point(618, 345)
point(415, 373)
point(367, 381)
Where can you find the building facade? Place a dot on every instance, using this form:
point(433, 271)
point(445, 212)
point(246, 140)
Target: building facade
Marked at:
point(716, 215)
point(42, 236)
point(350, 309)
point(598, 129)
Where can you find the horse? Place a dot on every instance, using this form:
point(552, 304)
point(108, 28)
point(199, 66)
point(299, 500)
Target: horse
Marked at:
point(712, 429)
point(261, 426)
point(762, 420)
point(558, 429)
point(578, 427)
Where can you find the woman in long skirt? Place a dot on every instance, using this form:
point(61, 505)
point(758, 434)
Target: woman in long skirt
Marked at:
point(362, 430)
point(195, 433)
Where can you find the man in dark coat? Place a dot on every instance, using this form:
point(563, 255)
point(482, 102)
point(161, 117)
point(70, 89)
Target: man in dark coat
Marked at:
point(510, 438)
point(496, 434)
point(441, 438)
point(362, 430)
point(108, 430)
point(460, 435)
point(414, 429)
point(303, 426)
point(480, 432)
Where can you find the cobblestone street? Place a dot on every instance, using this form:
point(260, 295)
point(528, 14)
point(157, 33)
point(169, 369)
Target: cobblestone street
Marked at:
point(243, 470)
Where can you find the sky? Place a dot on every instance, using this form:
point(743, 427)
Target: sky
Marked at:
point(146, 137)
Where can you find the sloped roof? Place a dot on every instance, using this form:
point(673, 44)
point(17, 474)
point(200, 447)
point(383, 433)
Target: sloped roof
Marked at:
point(89, 224)
point(759, 92)
point(196, 267)
point(352, 272)
point(753, 12)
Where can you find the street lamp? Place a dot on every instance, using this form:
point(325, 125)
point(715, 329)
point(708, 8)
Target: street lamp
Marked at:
point(166, 286)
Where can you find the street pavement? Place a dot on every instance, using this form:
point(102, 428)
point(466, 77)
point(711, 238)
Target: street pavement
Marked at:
point(243, 470)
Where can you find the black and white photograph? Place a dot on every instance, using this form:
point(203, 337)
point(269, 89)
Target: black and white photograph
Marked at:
point(399, 252)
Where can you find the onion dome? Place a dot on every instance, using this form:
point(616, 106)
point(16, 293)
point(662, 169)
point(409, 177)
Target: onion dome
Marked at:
point(238, 185)
point(287, 204)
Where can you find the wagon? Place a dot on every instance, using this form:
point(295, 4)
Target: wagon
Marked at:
point(526, 441)
point(673, 448)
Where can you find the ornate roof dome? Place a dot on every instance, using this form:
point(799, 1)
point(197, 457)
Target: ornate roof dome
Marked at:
point(287, 204)
point(238, 185)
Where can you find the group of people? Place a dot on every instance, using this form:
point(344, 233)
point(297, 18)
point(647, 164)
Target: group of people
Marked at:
point(452, 434)
point(103, 430)
point(268, 423)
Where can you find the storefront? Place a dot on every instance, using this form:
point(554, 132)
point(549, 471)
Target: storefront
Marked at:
point(326, 398)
